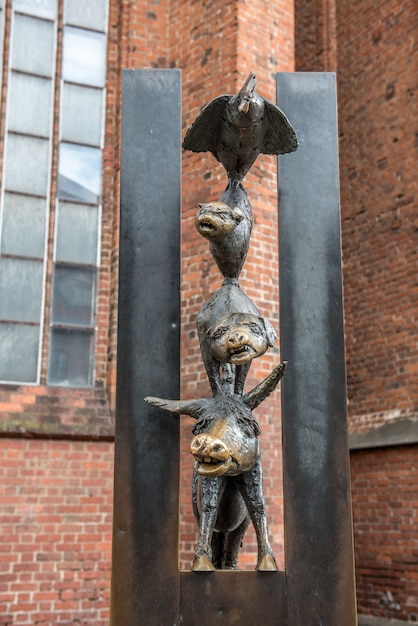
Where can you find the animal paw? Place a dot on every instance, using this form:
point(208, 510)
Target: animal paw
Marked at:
point(202, 564)
point(267, 563)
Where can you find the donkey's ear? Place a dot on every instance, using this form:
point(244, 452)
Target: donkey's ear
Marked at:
point(254, 397)
point(193, 408)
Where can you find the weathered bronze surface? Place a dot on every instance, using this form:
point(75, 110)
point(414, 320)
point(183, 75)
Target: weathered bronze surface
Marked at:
point(231, 331)
point(227, 486)
point(227, 224)
point(236, 129)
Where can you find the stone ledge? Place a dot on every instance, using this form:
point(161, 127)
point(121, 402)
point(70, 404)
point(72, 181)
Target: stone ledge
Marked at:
point(397, 433)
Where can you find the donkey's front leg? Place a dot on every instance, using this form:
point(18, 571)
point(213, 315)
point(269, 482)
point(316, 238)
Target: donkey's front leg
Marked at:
point(251, 485)
point(210, 491)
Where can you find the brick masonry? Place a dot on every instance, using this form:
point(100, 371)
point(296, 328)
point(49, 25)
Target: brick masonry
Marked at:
point(385, 494)
point(216, 44)
point(55, 523)
point(377, 82)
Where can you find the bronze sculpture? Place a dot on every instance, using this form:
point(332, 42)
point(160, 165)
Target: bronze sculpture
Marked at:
point(227, 486)
point(318, 581)
point(227, 224)
point(231, 331)
point(236, 129)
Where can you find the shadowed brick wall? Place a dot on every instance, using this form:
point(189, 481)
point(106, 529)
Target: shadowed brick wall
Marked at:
point(378, 113)
point(385, 493)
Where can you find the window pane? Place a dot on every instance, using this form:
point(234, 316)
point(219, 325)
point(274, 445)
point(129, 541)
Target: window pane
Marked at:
point(27, 161)
point(70, 360)
point(21, 290)
point(80, 170)
point(30, 104)
point(73, 296)
point(87, 14)
point(19, 345)
point(77, 233)
point(84, 57)
point(32, 45)
point(41, 8)
point(1, 36)
point(82, 109)
point(23, 232)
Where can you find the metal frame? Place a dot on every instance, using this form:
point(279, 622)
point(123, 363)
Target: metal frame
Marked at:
point(317, 587)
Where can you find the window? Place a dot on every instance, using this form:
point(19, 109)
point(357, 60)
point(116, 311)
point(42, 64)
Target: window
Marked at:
point(1, 35)
point(26, 199)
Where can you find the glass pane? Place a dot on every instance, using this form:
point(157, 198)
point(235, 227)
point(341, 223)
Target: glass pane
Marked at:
point(21, 290)
point(23, 232)
point(32, 45)
point(84, 57)
point(80, 171)
point(41, 8)
point(82, 109)
point(30, 104)
point(87, 14)
point(71, 358)
point(73, 296)
point(1, 36)
point(19, 345)
point(77, 233)
point(27, 161)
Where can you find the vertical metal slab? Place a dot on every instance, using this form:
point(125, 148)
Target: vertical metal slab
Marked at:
point(145, 579)
point(318, 527)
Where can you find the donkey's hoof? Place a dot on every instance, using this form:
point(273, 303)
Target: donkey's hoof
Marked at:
point(267, 563)
point(202, 564)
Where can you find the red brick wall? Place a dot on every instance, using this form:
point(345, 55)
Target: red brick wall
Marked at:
point(315, 36)
point(385, 509)
point(377, 80)
point(55, 525)
point(377, 73)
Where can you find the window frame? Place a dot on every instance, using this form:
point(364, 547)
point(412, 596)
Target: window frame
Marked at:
point(47, 197)
point(45, 325)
